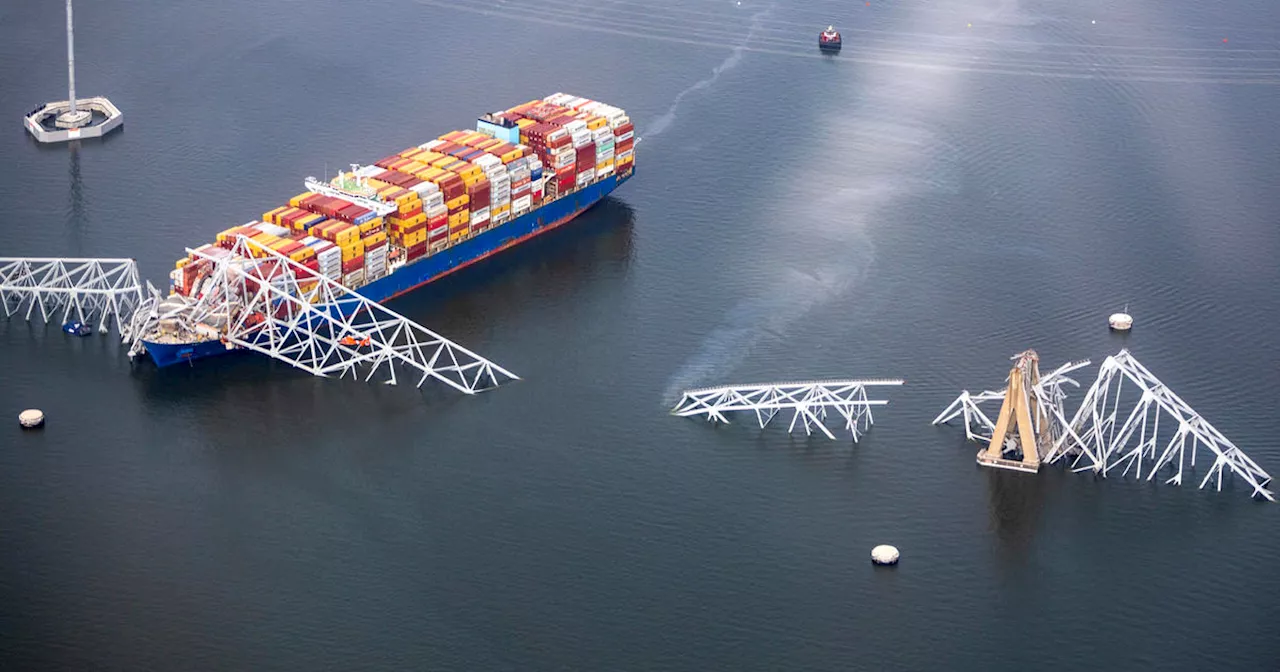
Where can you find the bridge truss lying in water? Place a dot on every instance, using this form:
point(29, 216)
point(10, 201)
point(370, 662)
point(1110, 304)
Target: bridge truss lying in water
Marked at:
point(1097, 439)
point(807, 401)
point(257, 300)
point(81, 289)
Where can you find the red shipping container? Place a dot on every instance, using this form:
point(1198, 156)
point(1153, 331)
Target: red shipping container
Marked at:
point(416, 251)
point(452, 187)
point(437, 223)
point(623, 146)
point(351, 212)
point(353, 265)
point(386, 161)
point(290, 248)
point(313, 263)
point(586, 155)
point(374, 245)
point(478, 194)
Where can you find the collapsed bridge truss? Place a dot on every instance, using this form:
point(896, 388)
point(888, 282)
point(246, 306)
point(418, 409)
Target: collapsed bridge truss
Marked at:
point(262, 301)
point(1096, 439)
point(88, 290)
point(808, 402)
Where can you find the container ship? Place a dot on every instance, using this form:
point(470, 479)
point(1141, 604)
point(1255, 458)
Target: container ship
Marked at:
point(411, 218)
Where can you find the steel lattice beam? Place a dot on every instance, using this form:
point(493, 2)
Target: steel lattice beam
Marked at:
point(808, 401)
point(1103, 444)
point(84, 288)
point(264, 302)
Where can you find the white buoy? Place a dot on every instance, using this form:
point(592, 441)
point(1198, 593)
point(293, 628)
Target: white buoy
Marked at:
point(884, 554)
point(1120, 321)
point(31, 418)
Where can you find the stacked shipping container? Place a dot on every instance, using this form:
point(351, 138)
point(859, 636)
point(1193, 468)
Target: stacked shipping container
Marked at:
point(445, 191)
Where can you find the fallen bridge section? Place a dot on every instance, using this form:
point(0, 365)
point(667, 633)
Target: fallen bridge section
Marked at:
point(87, 290)
point(1100, 441)
point(809, 403)
point(261, 301)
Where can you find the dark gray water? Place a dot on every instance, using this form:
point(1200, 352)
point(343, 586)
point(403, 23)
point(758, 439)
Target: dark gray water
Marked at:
point(967, 180)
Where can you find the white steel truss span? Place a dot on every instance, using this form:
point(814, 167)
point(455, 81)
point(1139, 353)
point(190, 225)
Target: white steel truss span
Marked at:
point(1049, 394)
point(105, 289)
point(1101, 443)
point(277, 307)
point(808, 401)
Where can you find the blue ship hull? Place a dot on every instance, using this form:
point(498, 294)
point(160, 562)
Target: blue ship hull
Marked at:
point(433, 267)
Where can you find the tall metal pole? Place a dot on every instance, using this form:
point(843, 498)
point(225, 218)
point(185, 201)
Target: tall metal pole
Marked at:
point(71, 62)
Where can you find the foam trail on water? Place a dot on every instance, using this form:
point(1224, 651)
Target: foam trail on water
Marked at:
point(662, 123)
point(878, 149)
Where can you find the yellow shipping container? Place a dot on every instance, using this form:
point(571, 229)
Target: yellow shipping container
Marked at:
point(511, 156)
point(353, 250)
point(302, 255)
point(296, 201)
point(411, 153)
point(305, 223)
point(440, 162)
point(472, 171)
point(457, 202)
point(595, 122)
point(374, 238)
point(525, 123)
point(270, 215)
point(429, 157)
point(456, 236)
point(181, 263)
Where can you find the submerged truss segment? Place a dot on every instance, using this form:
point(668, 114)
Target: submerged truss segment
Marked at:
point(104, 290)
point(808, 401)
point(259, 300)
point(1102, 442)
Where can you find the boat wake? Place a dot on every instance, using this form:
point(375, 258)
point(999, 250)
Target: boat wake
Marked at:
point(878, 148)
point(662, 123)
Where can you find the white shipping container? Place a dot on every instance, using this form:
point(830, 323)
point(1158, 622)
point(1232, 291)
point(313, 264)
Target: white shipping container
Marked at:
point(272, 229)
point(602, 173)
point(585, 178)
point(480, 216)
point(576, 126)
point(423, 188)
point(624, 136)
point(436, 210)
point(601, 133)
point(486, 161)
point(431, 145)
point(354, 278)
point(522, 203)
point(624, 155)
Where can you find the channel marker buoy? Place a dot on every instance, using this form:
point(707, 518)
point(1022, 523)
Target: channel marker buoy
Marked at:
point(884, 554)
point(1120, 321)
point(31, 418)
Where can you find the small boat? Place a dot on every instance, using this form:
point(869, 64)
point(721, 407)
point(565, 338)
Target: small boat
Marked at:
point(77, 328)
point(829, 39)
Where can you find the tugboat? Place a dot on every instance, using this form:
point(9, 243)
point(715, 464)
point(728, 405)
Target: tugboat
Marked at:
point(829, 39)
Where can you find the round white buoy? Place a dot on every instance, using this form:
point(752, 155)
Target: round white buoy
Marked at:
point(1120, 321)
point(31, 418)
point(884, 554)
